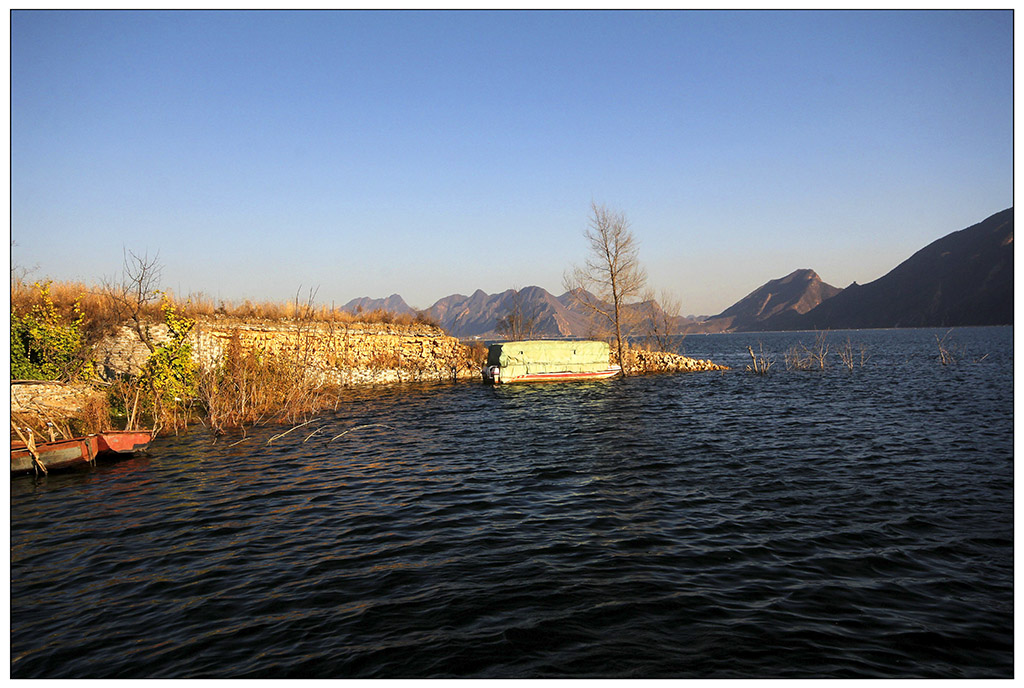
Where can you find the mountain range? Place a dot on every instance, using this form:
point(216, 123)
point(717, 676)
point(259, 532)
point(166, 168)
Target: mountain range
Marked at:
point(962, 279)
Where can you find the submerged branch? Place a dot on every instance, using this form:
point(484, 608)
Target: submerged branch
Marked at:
point(359, 427)
point(275, 437)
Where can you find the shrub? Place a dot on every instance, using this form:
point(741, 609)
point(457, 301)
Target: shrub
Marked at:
point(760, 363)
point(167, 385)
point(169, 374)
point(45, 345)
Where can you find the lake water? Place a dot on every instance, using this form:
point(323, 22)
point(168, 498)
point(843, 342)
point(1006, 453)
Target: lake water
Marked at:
point(845, 523)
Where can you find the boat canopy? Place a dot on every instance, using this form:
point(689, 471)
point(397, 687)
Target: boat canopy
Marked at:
point(548, 356)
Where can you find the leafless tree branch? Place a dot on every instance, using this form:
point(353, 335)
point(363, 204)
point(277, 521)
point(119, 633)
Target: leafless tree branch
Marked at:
point(611, 277)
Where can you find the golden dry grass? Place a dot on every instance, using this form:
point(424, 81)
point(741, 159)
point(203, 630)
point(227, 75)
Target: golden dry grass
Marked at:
point(101, 315)
point(253, 387)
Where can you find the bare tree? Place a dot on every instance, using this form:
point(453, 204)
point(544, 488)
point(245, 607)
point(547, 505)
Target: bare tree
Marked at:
point(138, 286)
point(519, 321)
point(612, 276)
point(661, 320)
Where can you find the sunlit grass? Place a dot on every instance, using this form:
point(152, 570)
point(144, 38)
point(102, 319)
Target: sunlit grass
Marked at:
point(101, 315)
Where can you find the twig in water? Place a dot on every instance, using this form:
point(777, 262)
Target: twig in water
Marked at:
point(311, 434)
point(238, 442)
point(287, 431)
point(359, 427)
point(761, 363)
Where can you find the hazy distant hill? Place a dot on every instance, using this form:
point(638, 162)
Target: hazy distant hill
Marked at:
point(962, 279)
point(478, 315)
point(393, 304)
point(780, 299)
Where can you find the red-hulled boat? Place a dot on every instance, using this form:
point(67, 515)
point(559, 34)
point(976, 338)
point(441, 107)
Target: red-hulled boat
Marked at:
point(124, 441)
point(78, 451)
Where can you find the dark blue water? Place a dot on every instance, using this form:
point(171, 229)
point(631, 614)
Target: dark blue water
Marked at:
point(827, 524)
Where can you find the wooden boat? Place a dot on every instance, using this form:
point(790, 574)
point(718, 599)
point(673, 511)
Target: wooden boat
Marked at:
point(548, 361)
point(124, 441)
point(78, 451)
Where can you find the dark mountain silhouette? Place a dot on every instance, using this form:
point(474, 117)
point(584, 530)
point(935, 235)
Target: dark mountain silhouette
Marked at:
point(963, 279)
point(780, 299)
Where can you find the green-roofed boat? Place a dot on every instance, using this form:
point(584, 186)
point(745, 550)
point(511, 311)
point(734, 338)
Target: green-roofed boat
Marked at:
point(548, 361)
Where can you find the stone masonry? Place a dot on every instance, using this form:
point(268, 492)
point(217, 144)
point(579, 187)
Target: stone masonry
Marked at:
point(338, 353)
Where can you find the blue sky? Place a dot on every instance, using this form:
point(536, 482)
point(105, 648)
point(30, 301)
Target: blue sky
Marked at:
point(430, 153)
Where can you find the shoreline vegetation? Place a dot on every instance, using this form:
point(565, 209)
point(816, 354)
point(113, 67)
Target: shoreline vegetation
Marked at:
point(127, 356)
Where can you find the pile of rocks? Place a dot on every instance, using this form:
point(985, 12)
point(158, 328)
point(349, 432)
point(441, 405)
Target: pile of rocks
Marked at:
point(643, 361)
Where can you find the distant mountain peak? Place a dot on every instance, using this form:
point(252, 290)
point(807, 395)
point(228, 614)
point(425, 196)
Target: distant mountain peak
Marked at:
point(392, 304)
point(964, 278)
point(796, 293)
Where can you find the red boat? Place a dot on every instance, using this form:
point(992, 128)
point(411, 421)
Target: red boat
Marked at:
point(124, 441)
point(78, 451)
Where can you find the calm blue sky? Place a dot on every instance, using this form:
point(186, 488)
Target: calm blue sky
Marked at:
point(431, 153)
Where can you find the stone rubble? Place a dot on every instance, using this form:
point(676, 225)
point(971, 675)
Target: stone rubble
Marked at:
point(642, 361)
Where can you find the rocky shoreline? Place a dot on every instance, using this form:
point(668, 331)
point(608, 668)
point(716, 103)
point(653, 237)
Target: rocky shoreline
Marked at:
point(330, 354)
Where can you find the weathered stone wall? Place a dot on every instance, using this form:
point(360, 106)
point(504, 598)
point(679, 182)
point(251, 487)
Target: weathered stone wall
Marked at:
point(37, 404)
point(51, 398)
point(340, 353)
point(124, 352)
point(349, 353)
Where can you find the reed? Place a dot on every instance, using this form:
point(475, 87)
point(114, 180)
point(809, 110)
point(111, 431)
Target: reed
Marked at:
point(256, 386)
point(760, 363)
point(948, 351)
point(849, 356)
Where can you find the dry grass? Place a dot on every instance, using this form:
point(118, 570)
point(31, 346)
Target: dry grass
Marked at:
point(102, 317)
point(252, 387)
point(58, 424)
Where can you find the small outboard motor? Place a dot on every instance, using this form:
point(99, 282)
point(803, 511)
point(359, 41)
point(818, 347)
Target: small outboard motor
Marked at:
point(492, 374)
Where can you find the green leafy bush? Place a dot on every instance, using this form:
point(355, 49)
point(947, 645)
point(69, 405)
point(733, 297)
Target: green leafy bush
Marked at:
point(45, 346)
point(170, 372)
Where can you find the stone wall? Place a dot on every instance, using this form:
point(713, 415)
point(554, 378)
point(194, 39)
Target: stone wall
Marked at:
point(59, 399)
point(124, 352)
point(339, 353)
point(342, 354)
point(349, 353)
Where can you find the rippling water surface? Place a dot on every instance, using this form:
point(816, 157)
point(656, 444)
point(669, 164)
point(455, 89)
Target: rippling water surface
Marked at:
point(837, 524)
